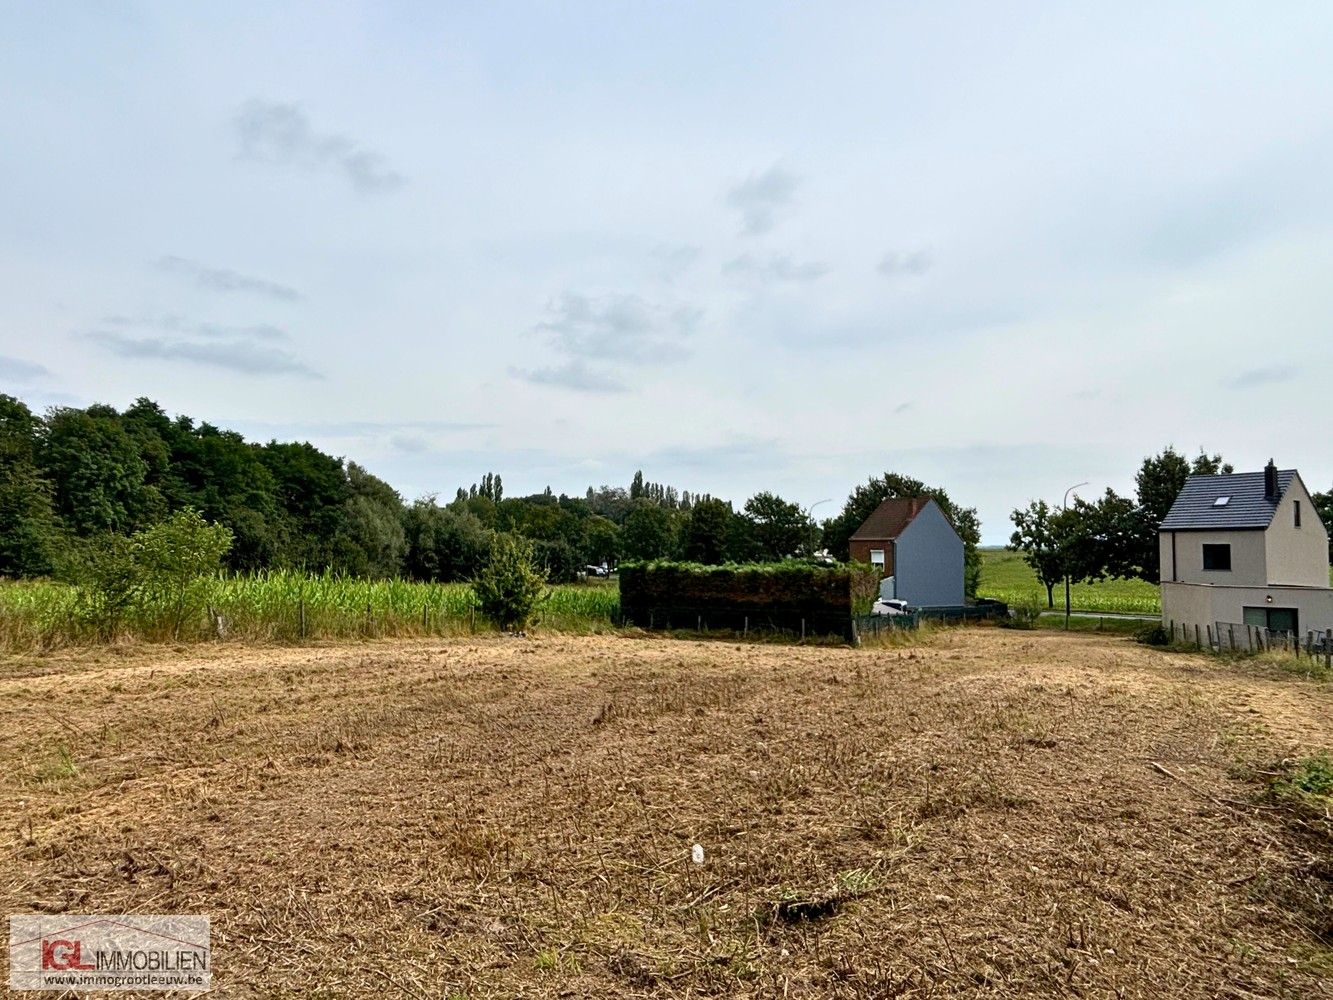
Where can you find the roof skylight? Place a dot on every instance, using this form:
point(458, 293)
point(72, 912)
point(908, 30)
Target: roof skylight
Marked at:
point(1221, 501)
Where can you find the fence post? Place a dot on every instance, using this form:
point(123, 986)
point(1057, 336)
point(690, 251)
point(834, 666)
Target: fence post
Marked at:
point(698, 623)
point(1328, 650)
point(1210, 637)
point(425, 619)
point(746, 633)
point(1198, 643)
point(302, 616)
point(1231, 631)
point(803, 630)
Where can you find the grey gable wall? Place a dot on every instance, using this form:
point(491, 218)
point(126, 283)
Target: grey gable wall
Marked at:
point(929, 554)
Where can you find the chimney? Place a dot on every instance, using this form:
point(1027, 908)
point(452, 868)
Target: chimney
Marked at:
point(1270, 482)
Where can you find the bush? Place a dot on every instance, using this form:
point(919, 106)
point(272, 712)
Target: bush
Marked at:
point(1153, 635)
point(1024, 612)
point(510, 586)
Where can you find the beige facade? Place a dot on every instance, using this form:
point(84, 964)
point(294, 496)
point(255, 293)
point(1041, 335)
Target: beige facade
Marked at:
point(1182, 557)
point(1274, 570)
point(1195, 604)
point(1297, 556)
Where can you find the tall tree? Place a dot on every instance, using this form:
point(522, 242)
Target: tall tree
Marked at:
point(649, 532)
point(371, 540)
point(1323, 505)
point(98, 476)
point(866, 497)
point(708, 532)
point(780, 529)
point(29, 531)
point(1036, 535)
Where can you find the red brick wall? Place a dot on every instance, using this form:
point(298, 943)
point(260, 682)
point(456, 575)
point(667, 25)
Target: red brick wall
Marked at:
point(860, 552)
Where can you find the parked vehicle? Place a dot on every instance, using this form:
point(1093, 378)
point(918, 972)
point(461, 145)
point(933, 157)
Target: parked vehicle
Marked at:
point(596, 571)
point(889, 606)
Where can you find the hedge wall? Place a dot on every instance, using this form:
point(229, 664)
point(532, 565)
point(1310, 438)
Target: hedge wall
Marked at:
point(776, 596)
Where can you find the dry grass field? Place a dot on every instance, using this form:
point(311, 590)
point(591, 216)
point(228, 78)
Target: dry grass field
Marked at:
point(988, 814)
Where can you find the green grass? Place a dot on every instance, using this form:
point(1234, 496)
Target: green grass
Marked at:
point(287, 606)
point(1006, 577)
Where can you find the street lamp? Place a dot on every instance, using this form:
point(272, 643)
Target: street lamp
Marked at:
point(1064, 506)
point(810, 513)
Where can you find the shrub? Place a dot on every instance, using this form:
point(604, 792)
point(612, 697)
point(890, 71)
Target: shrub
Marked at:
point(1153, 635)
point(177, 558)
point(1024, 612)
point(509, 587)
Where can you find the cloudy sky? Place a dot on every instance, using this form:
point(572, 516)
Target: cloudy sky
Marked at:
point(1004, 248)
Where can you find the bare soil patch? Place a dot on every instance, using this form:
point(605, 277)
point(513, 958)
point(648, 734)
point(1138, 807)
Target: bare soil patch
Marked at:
point(990, 814)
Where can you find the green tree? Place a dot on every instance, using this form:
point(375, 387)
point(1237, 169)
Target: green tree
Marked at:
point(176, 558)
point(443, 544)
point(372, 541)
point(708, 532)
point(29, 531)
point(780, 529)
point(510, 586)
point(649, 532)
point(311, 488)
point(109, 579)
point(1158, 482)
point(1036, 536)
point(865, 498)
point(97, 474)
point(1323, 505)
point(601, 540)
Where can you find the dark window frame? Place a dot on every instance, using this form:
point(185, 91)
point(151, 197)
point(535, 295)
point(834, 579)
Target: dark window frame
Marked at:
point(1297, 507)
point(1217, 557)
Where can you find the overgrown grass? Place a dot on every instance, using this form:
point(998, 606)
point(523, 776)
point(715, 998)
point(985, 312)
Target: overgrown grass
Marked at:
point(1006, 577)
point(288, 606)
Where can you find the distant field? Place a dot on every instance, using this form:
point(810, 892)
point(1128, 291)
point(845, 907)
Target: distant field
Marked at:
point(1006, 577)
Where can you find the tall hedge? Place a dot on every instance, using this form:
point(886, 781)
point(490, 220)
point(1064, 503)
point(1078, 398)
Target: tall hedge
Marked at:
point(788, 596)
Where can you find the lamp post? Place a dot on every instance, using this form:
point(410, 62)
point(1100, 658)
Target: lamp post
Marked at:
point(810, 513)
point(1064, 506)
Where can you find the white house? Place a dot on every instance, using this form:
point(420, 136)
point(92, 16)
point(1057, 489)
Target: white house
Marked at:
point(1246, 548)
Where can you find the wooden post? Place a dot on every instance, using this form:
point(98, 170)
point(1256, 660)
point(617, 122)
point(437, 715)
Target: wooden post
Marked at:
point(1198, 643)
point(301, 615)
point(1210, 638)
point(1328, 650)
point(746, 633)
point(1231, 631)
point(425, 618)
point(698, 623)
point(803, 630)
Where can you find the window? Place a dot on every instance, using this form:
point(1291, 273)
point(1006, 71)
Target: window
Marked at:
point(1298, 512)
point(877, 557)
point(1217, 557)
point(1221, 501)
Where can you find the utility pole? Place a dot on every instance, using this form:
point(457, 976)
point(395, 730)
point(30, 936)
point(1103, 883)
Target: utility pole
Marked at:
point(1064, 506)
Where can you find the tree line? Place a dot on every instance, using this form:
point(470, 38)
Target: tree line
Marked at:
point(1115, 536)
point(72, 480)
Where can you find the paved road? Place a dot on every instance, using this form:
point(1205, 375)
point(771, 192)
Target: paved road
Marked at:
point(1103, 614)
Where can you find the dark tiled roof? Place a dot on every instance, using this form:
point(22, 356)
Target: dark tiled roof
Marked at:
point(1247, 508)
point(890, 518)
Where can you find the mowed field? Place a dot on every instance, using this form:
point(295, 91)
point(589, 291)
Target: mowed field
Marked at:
point(989, 813)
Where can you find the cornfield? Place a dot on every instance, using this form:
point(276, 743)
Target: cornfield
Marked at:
point(287, 606)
